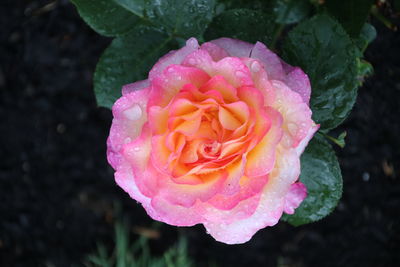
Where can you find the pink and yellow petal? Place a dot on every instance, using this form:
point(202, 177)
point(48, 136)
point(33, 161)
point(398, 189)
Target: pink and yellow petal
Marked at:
point(186, 195)
point(270, 206)
point(219, 84)
point(167, 85)
point(296, 114)
point(261, 159)
point(260, 79)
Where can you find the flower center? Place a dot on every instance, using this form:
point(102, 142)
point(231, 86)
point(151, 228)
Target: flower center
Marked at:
point(211, 148)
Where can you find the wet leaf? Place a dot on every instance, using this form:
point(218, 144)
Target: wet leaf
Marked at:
point(321, 47)
point(367, 35)
point(183, 18)
point(291, 11)
point(350, 13)
point(128, 59)
point(250, 26)
point(320, 172)
point(105, 16)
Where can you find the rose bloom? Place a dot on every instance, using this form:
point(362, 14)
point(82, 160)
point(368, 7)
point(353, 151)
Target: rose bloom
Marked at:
point(214, 136)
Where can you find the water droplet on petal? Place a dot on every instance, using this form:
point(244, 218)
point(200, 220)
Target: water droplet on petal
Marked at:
point(133, 113)
point(255, 66)
point(136, 149)
point(127, 140)
point(192, 42)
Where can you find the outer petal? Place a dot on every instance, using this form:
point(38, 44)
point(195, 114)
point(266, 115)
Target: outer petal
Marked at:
point(231, 68)
point(298, 81)
point(186, 195)
point(137, 153)
point(129, 116)
point(217, 53)
point(260, 79)
point(297, 193)
point(271, 204)
point(302, 145)
point(271, 62)
point(173, 57)
point(296, 114)
point(175, 214)
point(234, 47)
point(136, 86)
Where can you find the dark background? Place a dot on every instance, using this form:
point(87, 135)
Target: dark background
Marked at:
point(57, 192)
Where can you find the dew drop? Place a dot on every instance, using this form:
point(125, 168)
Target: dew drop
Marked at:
point(136, 149)
point(255, 66)
point(127, 140)
point(192, 42)
point(133, 113)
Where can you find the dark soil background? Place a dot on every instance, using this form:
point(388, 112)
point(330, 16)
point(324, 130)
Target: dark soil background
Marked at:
point(57, 192)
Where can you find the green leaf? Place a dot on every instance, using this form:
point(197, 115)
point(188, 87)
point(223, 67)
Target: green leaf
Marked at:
point(364, 69)
point(254, 4)
point(320, 172)
point(105, 16)
point(128, 59)
point(249, 25)
point(325, 52)
point(367, 35)
point(291, 11)
point(340, 140)
point(352, 14)
point(183, 18)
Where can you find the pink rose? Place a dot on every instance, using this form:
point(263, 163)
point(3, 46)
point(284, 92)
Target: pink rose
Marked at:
point(214, 136)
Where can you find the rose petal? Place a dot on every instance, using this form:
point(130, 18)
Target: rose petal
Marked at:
point(296, 114)
point(217, 53)
point(261, 159)
point(271, 62)
point(270, 207)
point(136, 86)
point(129, 116)
point(234, 47)
point(166, 85)
point(173, 57)
point(297, 193)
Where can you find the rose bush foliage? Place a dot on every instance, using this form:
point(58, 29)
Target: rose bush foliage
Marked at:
point(214, 136)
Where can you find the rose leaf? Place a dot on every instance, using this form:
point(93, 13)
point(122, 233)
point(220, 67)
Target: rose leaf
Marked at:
point(249, 25)
point(320, 172)
point(180, 18)
point(128, 59)
point(105, 16)
point(322, 48)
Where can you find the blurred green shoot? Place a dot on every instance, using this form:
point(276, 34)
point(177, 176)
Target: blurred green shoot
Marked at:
point(339, 140)
point(137, 253)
